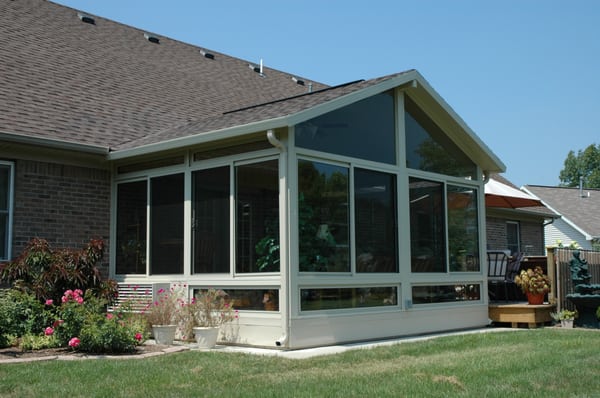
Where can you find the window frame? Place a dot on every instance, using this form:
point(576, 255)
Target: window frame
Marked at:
point(9, 211)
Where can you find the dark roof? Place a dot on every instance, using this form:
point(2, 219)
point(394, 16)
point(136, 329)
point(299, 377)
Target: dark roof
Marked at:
point(105, 84)
point(582, 211)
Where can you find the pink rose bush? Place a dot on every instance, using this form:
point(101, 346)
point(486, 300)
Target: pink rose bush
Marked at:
point(84, 325)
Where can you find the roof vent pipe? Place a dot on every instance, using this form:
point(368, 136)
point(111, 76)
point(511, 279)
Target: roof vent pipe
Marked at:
point(310, 87)
point(581, 187)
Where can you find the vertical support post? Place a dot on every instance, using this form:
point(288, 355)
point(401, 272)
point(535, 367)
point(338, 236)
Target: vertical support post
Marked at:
point(551, 266)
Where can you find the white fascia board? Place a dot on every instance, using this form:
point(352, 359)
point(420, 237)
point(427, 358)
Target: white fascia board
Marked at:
point(177, 143)
point(52, 143)
point(471, 146)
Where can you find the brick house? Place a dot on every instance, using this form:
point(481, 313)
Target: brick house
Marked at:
point(342, 207)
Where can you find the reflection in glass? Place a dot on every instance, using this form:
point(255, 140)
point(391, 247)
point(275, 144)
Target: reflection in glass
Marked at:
point(5, 173)
point(428, 148)
point(210, 223)
point(323, 217)
point(131, 227)
point(343, 131)
point(375, 221)
point(166, 224)
point(251, 299)
point(340, 298)
point(463, 230)
point(257, 222)
point(445, 293)
point(427, 227)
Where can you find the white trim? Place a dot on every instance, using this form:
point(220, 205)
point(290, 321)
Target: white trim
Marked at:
point(10, 207)
point(53, 143)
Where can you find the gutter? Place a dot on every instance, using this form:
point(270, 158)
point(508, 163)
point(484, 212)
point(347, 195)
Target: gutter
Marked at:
point(54, 144)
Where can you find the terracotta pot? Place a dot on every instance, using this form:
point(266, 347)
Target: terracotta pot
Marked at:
point(535, 299)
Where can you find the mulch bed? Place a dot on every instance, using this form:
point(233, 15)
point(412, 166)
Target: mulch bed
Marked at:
point(16, 353)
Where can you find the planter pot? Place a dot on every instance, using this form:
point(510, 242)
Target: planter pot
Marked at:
point(566, 323)
point(206, 337)
point(535, 299)
point(164, 334)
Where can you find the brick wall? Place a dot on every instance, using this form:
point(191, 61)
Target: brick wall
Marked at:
point(531, 234)
point(66, 205)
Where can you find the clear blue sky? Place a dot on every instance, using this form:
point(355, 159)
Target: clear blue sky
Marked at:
point(523, 74)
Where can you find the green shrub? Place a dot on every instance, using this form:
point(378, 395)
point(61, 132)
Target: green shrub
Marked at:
point(31, 342)
point(21, 313)
point(109, 335)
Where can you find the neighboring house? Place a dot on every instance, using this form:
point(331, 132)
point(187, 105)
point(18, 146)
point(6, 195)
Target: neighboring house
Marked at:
point(579, 211)
point(520, 230)
point(329, 214)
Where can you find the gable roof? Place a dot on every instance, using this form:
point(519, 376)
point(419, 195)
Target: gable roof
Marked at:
point(582, 212)
point(104, 87)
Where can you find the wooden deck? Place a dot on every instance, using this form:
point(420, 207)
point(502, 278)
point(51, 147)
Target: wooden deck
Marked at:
point(515, 314)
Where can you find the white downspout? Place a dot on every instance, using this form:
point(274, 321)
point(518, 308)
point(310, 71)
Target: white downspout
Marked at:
point(283, 245)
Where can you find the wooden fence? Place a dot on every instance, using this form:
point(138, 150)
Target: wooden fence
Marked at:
point(562, 274)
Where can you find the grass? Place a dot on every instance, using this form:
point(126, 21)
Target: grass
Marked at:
point(527, 363)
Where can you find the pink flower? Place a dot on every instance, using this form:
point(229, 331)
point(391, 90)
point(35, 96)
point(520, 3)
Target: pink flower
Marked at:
point(77, 293)
point(48, 331)
point(57, 323)
point(161, 290)
point(74, 342)
point(79, 299)
point(138, 336)
point(109, 315)
point(49, 302)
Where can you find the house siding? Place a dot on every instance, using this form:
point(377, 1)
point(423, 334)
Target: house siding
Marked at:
point(66, 205)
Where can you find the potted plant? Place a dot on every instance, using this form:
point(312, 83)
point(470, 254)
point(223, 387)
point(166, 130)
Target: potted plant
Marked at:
point(565, 317)
point(534, 283)
point(206, 312)
point(162, 315)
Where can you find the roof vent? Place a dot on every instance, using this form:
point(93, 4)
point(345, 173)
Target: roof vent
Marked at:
point(207, 55)
point(86, 18)
point(257, 69)
point(151, 39)
point(298, 81)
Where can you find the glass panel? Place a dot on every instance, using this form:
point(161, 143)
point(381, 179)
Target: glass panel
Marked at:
point(166, 224)
point(3, 236)
point(339, 298)
point(257, 232)
point(445, 293)
point(375, 214)
point(428, 148)
point(131, 228)
point(427, 234)
point(4, 187)
point(365, 130)
point(210, 225)
point(323, 217)
point(252, 299)
point(463, 230)
point(512, 237)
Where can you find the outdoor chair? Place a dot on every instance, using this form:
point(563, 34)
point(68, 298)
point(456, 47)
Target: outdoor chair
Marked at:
point(497, 274)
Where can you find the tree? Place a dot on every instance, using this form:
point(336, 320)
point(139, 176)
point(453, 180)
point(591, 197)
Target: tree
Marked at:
point(585, 164)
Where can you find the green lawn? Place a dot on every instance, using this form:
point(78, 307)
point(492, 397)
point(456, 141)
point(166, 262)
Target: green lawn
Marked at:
point(527, 363)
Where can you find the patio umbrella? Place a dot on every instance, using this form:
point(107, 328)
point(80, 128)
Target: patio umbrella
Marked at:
point(502, 195)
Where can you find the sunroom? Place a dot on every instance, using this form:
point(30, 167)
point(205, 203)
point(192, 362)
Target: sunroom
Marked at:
point(351, 214)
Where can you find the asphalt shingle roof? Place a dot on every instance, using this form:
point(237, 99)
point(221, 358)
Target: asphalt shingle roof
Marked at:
point(583, 211)
point(104, 84)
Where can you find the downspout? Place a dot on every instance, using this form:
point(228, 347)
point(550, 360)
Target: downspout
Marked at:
point(283, 228)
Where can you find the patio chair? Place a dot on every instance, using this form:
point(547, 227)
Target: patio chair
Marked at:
point(497, 274)
point(513, 268)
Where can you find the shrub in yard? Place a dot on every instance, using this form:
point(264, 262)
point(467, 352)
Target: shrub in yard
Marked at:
point(83, 324)
point(21, 314)
point(47, 273)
